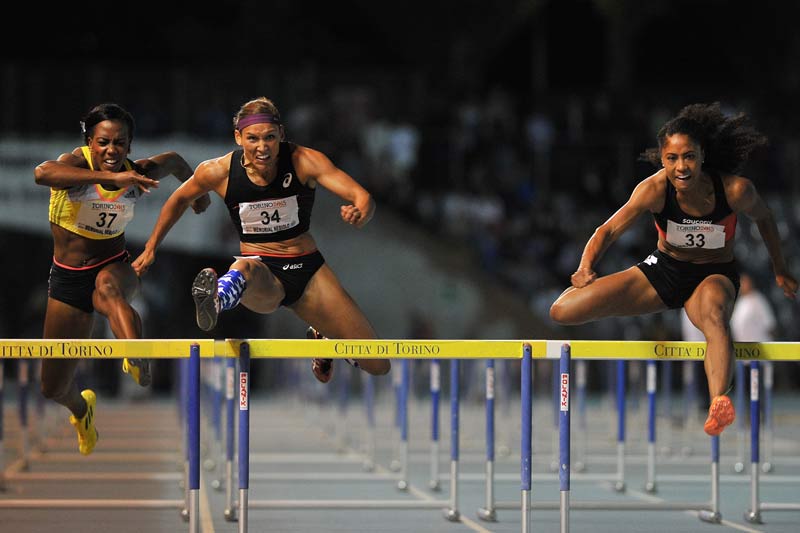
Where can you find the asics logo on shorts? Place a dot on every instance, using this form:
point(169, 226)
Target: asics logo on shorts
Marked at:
point(651, 260)
point(293, 266)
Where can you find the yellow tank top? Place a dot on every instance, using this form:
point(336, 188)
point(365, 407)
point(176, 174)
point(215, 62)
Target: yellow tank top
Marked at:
point(92, 211)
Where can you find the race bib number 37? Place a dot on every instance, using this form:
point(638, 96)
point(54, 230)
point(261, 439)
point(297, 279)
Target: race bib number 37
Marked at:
point(696, 235)
point(269, 216)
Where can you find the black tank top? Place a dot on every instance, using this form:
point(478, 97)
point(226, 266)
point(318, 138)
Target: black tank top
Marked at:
point(722, 214)
point(275, 212)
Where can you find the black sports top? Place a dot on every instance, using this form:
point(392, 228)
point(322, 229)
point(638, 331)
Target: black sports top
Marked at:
point(687, 231)
point(275, 212)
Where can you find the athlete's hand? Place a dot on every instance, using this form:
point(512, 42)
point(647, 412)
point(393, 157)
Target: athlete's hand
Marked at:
point(142, 263)
point(352, 215)
point(201, 203)
point(788, 284)
point(583, 277)
point(131, 177)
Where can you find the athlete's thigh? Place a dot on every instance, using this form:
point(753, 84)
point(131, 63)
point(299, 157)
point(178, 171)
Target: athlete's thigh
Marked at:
point(264, 292)
point(625, 293)
point(328, 307)
point(714, 292)
point(63, 321)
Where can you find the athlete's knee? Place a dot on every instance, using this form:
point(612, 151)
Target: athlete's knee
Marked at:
point(106, 289)
point(563, 313)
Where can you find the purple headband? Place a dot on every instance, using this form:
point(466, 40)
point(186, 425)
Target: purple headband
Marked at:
point(258, 118)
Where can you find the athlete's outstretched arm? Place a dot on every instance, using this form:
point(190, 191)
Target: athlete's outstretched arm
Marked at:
point(643, 198)
point(318, 167)
point(744, 198)
point(71, 169)
point(204, 180)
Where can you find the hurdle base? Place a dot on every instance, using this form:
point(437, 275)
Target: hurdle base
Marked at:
point(754, 517)
point(452, 515)
point(487, 515)
point(434, 485)
point(712, 517)
point(650, 487)
point(230, 515)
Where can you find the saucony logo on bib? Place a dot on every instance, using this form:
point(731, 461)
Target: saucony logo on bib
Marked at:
point(293, 266)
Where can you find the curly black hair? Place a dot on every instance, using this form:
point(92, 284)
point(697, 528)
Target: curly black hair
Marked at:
point(727, 141)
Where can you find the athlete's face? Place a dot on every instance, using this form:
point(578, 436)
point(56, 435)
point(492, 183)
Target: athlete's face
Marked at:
point(261, 143)
point(109, 145)
point(683, 161)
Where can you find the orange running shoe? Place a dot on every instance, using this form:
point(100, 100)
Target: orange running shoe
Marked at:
point(720, 415)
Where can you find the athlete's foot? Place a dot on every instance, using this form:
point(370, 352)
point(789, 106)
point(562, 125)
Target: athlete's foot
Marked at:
point(87, 433)
point(206, 301)
point(322, 368)
point(139, 370)
point(721, 414)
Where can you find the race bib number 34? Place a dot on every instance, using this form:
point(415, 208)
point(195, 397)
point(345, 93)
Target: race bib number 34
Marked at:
point(269, 216)
point(697, 235)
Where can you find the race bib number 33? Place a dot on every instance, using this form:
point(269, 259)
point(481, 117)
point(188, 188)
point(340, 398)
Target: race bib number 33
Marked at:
point(269, 216)
point(695, 235)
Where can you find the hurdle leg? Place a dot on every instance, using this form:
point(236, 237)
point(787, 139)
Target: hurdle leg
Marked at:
point(369, 406)
point(564, 435)
point(619, 485)
point(766, 464)
point(713, 515)
point(650, 484)
point(397, 380)
point(402, 483)
point(24, 387)
point(583, 439)
point(753, 515)
point(219, 376)
point(193, 419)
point(488, 512)
point(244, 433)
point(435, 392)
point(741, 427)
point(230, 378)
point(526, 462)
point(452, 514)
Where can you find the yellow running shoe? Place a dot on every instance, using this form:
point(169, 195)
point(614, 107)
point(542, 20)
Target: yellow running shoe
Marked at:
point(139, 369)
point(721, 414)
point(87, 433)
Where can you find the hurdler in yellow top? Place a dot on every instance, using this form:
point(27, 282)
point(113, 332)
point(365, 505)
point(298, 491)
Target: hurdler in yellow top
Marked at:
point(91, 210)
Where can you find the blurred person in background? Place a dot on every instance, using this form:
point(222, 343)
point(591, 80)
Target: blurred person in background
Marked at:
point(695, 199)
point(268, 186)
point(93, 191)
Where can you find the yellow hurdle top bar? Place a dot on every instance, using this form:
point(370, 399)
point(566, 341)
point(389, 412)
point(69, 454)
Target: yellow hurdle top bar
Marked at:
point(672, 350)
point(102, 348)
point(382, 348)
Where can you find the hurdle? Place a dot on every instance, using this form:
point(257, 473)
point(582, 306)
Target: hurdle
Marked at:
point(191, 350)
point(244, 349)
point(710, 511)
point(753, 514)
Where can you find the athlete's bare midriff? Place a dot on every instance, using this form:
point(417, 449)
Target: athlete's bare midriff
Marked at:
point(74, 250)
point(300, 245)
